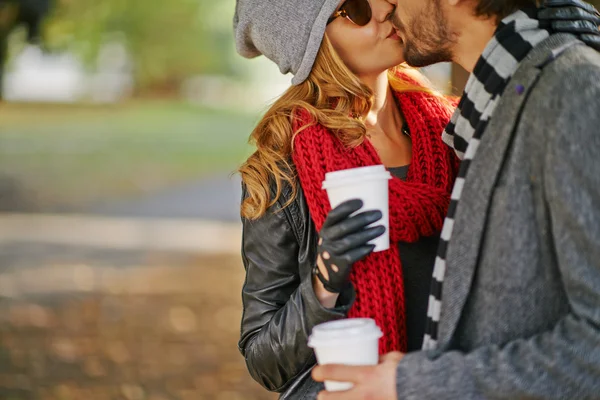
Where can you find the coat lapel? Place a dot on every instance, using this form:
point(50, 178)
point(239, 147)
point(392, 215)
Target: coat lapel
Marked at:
point(472, 211)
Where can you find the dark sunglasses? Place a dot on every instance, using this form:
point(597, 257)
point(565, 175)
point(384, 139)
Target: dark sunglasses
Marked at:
point(357, 11)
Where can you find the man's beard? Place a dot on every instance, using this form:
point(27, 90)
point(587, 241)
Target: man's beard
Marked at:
point(429, 40)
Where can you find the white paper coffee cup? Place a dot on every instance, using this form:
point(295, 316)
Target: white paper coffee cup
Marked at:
point(369, 184)
point(352, 341)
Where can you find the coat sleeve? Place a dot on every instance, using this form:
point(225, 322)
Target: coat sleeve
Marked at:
point(280, 306)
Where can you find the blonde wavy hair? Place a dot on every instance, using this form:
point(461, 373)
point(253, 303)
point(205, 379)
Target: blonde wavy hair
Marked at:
point(334, 97)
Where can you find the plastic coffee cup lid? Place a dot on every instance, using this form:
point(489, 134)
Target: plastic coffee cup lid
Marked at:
point(353, 175)
point(343, 331)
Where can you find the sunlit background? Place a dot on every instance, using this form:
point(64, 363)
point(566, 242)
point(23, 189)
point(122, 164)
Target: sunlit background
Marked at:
point(121, 126)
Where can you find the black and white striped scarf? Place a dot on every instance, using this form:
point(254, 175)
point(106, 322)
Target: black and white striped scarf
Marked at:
point(515, 36)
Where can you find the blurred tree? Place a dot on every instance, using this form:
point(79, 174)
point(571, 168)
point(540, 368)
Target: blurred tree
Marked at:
point(14, 13)
point(168, 41)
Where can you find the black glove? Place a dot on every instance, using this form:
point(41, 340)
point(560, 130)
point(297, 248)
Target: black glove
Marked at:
point(344, 241)
point(572, 16)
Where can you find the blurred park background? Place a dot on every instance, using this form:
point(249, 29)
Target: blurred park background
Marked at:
point(122, 123)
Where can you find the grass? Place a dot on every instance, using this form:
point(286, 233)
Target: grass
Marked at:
point(69, 155)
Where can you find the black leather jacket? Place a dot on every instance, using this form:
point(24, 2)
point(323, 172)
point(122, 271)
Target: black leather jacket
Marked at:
point(280, 306)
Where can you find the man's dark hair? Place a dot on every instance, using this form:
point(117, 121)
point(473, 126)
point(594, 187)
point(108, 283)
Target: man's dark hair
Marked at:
point(500, 8)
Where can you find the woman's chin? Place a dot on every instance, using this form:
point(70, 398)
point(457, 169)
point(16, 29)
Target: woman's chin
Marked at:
point(400, 59)
point(397, 58)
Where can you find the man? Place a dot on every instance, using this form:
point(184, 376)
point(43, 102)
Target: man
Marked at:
point(519, 260)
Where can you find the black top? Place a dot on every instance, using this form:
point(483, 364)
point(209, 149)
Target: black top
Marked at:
point(417, 266)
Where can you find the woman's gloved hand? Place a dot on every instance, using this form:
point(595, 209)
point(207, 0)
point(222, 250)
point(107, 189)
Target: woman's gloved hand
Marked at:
point(572, 16)
point(344, 241)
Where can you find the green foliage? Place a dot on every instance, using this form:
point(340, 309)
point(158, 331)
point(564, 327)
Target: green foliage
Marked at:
point(168, 40)
point(75, 155)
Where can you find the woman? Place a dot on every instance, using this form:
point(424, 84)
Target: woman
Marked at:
point(351, 105)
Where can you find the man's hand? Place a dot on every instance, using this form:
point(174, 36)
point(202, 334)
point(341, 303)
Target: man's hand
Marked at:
point(377, 382)
point(572, 16)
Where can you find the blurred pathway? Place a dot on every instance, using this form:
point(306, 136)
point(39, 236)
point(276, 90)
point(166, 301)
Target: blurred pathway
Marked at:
point(133, 299)
point(119, 233)
point(216, 198)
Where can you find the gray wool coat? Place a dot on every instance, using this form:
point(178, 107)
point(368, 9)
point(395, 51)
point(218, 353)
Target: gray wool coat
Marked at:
point(520, 315)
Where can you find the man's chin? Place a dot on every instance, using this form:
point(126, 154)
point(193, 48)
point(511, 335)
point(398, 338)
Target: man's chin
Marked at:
point(419, 60)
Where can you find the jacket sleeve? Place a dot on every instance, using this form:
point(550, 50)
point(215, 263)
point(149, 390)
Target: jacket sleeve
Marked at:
point(563, 362)
point(280, 306)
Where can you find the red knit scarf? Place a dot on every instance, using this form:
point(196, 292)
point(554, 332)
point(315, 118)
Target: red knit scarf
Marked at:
point(417, 206)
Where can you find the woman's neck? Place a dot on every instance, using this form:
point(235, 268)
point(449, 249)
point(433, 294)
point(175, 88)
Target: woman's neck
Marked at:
point(384, 115)
point(384, 125)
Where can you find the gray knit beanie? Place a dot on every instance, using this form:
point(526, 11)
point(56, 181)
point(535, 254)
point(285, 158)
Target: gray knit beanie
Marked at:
point(288, 32)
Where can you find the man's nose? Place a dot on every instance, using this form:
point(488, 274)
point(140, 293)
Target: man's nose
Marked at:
point(382, 10)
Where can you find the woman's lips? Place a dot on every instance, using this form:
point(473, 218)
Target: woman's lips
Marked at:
point(394, 35)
